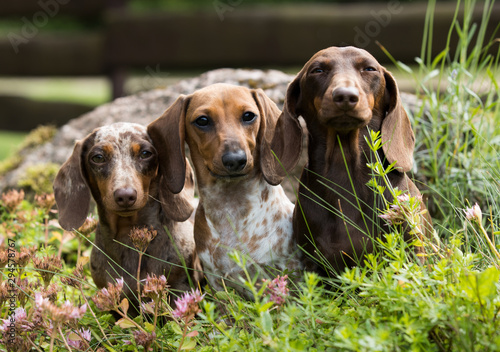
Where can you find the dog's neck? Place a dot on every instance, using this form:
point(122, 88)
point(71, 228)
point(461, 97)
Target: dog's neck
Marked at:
point(231, 206)
point(223, 197)
point(339, 161)
point(331, 149)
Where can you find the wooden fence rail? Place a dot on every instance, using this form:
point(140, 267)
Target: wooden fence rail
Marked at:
point(241, 36)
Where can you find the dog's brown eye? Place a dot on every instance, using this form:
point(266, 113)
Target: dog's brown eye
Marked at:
point(145, 154)
point(370, 69)
point(202, 121)
point(98, 159)
point(248, 116)
point(317, 70)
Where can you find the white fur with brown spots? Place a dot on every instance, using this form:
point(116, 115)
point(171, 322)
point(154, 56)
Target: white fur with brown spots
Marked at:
point(232, 133)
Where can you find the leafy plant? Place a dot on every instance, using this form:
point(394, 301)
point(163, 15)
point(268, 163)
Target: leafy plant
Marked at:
point(38, 136)
point(39, 178)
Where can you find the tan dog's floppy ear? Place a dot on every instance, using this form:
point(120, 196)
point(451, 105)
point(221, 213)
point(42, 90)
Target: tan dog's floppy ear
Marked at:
point(167, 133)
point(176, 176)
point(279, 133)
point(397, 135)
point(178, 207)
point(72, 192)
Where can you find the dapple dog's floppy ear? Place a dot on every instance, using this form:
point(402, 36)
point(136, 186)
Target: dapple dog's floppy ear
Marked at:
point(397, 135)
point(176, 176)
point(71, 192)
point(279, 133)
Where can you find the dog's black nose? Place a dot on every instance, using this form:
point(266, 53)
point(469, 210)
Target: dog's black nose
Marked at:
point(234, 161)
point(346, 98)
point(125, 197)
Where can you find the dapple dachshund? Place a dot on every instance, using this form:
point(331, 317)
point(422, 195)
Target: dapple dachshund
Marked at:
point(117, 165)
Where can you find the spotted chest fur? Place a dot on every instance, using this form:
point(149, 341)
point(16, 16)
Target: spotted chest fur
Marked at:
point(257, 223)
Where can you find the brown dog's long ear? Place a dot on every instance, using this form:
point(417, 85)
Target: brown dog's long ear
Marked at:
point(279, 133)
point(72, 192)
point(397, 135)
point(292, 97)
point(167, 133)
point(176, 175)
point(179, 206)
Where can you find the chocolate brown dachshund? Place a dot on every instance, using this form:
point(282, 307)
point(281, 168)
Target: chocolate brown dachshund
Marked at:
point(342, 92)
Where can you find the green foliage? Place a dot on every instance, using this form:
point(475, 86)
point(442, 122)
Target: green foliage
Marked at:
point(39, 177)
point(392, 303)
point(8, 142)
point(458, 125)
point(8, 164)
point(405, 306)
point(36, 137)
point(39, 136)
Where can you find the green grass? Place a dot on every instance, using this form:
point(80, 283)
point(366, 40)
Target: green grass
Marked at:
point(458, 128)
point(9, 142)
point(389, 303)
point(89, 91)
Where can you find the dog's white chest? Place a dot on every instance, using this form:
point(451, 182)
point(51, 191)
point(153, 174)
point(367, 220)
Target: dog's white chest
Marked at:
point(264, 233)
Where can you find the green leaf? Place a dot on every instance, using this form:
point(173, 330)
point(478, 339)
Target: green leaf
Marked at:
point(175, 327)
point(264, 307)
point(223, 296)
point(404, 67)
point(125, 323)
point(480, 286)
point(74, 337)
point(45, 345)
point(149, 327)
point(149, 307)
point(188, 345)
point(439, 57)
point(431, 75)
point(266, 322)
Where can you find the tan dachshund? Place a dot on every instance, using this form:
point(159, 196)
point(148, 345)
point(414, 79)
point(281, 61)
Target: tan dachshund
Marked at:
point(232, 133)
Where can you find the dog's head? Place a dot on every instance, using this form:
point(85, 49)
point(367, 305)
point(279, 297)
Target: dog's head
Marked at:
point(114, 164)
point(231, 132)
point(345, 88)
